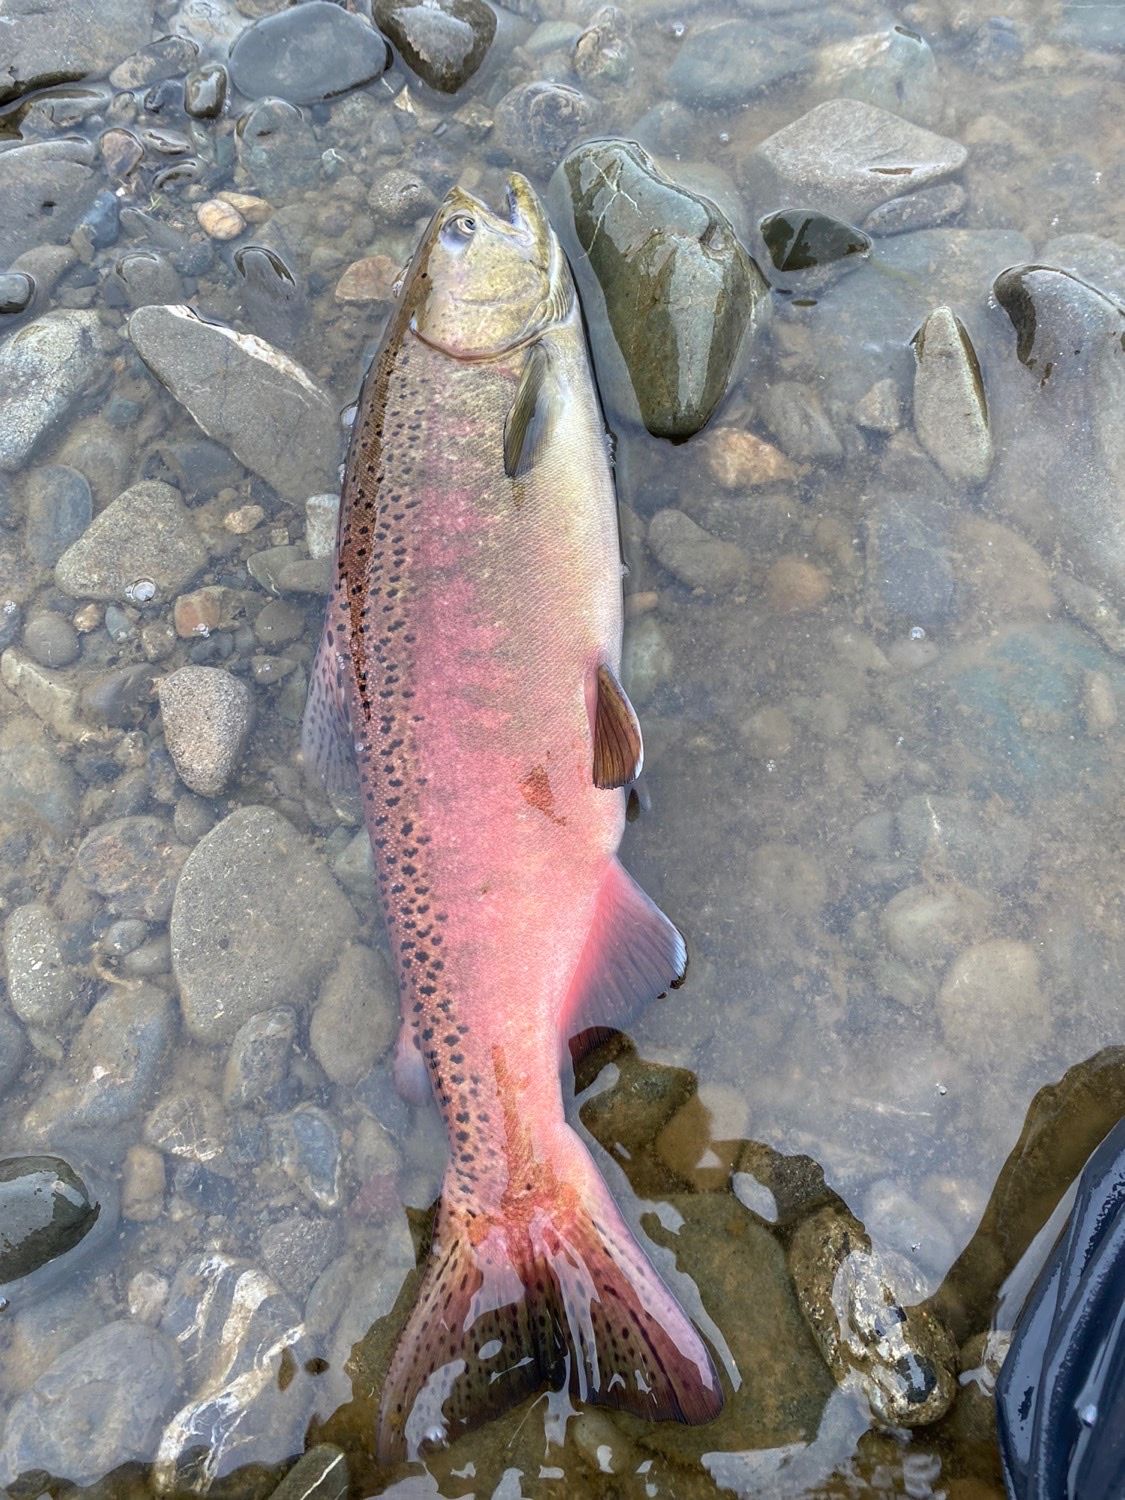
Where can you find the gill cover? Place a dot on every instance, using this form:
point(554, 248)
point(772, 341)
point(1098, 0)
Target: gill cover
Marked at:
point(484, 283)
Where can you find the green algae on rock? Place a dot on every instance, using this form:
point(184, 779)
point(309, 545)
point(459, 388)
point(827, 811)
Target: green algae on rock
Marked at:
point(680, 290)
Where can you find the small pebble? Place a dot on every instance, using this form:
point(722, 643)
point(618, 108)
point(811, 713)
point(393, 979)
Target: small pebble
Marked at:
point(794, 586)
point(740, 460)
point(51, 640)
point(253, 209)
point(220, 220)
point(244, 519)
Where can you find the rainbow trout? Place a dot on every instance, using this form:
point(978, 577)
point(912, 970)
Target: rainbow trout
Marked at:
point(469, 665)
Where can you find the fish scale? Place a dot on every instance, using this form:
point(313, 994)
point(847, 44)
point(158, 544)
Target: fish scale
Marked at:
point(469, 668)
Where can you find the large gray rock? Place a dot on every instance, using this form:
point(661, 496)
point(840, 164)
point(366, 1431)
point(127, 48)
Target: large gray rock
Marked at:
point(679, 289)
point(45, 187)
point(207, 714)
point(45, 1210)
point(52, 43)
point(146, 535)
point(100, 1405)
point(306, 54)
point(44, 367)
point(846, 157)
point(244, 393)
point(112, 1067)
point(443, 41)
point(256, 922)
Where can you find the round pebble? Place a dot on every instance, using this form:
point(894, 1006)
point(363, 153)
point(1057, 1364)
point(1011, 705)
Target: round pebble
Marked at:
point(795, 586)
point(51, 640)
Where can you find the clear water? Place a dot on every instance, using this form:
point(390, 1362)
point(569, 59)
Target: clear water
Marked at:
point(887, 815)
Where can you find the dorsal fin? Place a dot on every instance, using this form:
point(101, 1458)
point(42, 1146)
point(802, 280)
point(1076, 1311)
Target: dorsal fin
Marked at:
point(618, 750)
point(528, 423)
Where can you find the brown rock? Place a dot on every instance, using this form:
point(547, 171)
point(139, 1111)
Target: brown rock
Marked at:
point(740, 460)
point(794, 585)
point(368, 280)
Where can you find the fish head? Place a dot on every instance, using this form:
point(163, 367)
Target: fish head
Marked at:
point(482, 283)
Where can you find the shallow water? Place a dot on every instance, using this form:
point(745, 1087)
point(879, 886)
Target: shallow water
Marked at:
point(883, 777)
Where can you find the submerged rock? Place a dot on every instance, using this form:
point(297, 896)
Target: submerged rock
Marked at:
point(100, 1405)
point(729, 64)
point(45, 1210)
point(207, 714)
point(45, 187)
point(900, 1356)
point(142, 545)
point(800, 241)
point(846, 157)
point(443, 41)
point(45, 44)
point(256, 923)
point(894, 69)
point(244, 393)
point(536, 122)
point(680, 291)
point(42, 987)
point(950, 409)
point(44, 367)
point(306, 54)
point(60, 506)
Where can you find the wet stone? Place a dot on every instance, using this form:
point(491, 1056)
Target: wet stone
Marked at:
point(12, 1050)
point(37, 788)
point(51, 640)
point(306, 1146)
point(16, 291)
point(167, 57)
point(319, 1474)
point(536, 122)
point(909, 566)
point(846, 157)
point(297, 1248)
point(45, 1210)
point(45, 366)
point(207, 714)
point(795, 415)
point(133, 864)
point(693, 555)
point(205, 91)
point(98, 1406)
point(799, 241)
point(46, 45)
point(257, 1066)
point(398, 197)
point(950, 409)
point(274, 297)
point(145, 541)
point(978, 843)
point(991, 1003)
point(42, 987)
point(280, 622)
point(355, 1018)
point(653, 244)
point(277, 148)
point(309, 53)
point(112, 1067)
point(245, 394)
point(443, 41)
point(230, 966)
point(241, 1336)
point(731, 63)
point(117, 698)
point(191, 1125)
point(921, 210)
point(894, 69)
point(147, 276)
point(45, 187)
point(855, 1300)
point(1062, 323)
point(603, 54)
point(59, 508)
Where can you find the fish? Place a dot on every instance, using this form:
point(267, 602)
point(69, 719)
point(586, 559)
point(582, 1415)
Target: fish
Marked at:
point(469, 670)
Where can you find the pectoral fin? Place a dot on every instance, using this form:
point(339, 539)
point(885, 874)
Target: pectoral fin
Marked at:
point(618, 751)
point(529, 421)
point(327, 738)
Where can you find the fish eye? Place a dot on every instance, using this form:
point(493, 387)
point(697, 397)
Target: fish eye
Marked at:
point(461, 226)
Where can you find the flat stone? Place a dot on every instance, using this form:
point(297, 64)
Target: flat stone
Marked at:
point(894, 68)
point(133, 864)
point(950, 408)
point(46, 187)
point(59, 509)
point(56, 43)
point(51, 640)
point(921, 210)
point(306, 54)
point(729, 64)
point(45, 366)
point(356, 1016)
point(38, 789)
point(256, 923)
point(443, 41)
point(113, 1065)
point(845, 158)
point(145, 543)
point(693, 555)
point(679, 290)
point(244, 393)
point(257, 1064)
point(207, 715)
point(100, 1405)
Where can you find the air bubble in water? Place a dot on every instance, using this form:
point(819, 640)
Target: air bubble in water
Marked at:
point(917, 632)
point(142, 591)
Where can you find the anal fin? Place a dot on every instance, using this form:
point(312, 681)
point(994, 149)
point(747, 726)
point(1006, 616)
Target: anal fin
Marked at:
point(618, 749)
point(632, 954)
point(327, 738)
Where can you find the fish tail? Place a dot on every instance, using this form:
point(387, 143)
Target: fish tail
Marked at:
point(566, 1298)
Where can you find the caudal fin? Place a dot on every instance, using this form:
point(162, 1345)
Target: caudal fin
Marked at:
point(560, 1295)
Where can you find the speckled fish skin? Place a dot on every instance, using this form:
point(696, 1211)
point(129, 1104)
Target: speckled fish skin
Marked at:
point(470, 654)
